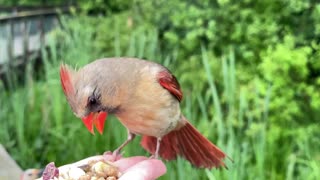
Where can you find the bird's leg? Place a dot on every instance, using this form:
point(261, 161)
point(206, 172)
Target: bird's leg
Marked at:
point(115, 155)
point(156, 154)
point(130, 137)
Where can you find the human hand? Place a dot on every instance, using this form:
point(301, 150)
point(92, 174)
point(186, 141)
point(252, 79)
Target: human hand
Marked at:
point(138, 167)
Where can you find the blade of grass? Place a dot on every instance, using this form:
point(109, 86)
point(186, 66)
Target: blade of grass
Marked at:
point(215, 97)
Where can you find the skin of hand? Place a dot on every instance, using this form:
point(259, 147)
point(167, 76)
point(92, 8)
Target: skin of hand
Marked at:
point(140, 167)
point(137, 167)
point(31, 174)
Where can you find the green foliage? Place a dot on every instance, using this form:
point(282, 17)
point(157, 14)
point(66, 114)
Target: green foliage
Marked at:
point(287, 66)
point(103, 6)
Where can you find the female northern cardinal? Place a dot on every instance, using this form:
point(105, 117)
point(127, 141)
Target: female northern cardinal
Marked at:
point(145, 97)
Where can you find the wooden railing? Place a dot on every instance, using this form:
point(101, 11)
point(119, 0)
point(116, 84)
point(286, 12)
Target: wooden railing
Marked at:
point(24, 33)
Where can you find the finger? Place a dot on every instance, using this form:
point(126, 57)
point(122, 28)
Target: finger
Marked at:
point(146, 170)
point(126, 163)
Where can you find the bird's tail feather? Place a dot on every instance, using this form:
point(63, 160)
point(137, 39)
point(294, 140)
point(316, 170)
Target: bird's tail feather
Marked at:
point(190, 144)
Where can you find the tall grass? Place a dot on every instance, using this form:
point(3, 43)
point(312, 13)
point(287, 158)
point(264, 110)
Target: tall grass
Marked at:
point(37, 125)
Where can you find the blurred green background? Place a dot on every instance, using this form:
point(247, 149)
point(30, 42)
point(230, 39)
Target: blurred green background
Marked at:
point(249, 70)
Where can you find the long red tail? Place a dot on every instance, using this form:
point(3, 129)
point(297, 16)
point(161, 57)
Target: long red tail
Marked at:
point(188, 143)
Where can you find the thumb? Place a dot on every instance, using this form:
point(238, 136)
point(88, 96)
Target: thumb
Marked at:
point(145, 170)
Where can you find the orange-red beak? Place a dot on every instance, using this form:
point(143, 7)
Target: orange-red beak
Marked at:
point(96, 119)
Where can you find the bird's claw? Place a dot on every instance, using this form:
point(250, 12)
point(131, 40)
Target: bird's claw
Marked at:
point(112, 156)
point(153, 156)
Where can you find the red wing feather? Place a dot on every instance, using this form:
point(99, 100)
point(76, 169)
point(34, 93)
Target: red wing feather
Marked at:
point(169, 82)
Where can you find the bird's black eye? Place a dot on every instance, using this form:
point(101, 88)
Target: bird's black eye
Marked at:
point(92, 100)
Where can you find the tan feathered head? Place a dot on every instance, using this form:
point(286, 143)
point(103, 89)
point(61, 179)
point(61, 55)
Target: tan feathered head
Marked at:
point(84, 102)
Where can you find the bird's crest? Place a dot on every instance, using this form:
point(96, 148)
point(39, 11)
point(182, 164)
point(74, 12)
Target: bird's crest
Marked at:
point(66, 81)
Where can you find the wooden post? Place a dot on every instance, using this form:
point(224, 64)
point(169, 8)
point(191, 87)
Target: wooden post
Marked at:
point(25, 31)
point(42, 32)
point(10, 42)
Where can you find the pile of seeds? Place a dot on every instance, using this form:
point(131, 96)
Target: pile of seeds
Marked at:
point(100, 170)
point(94, 170)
